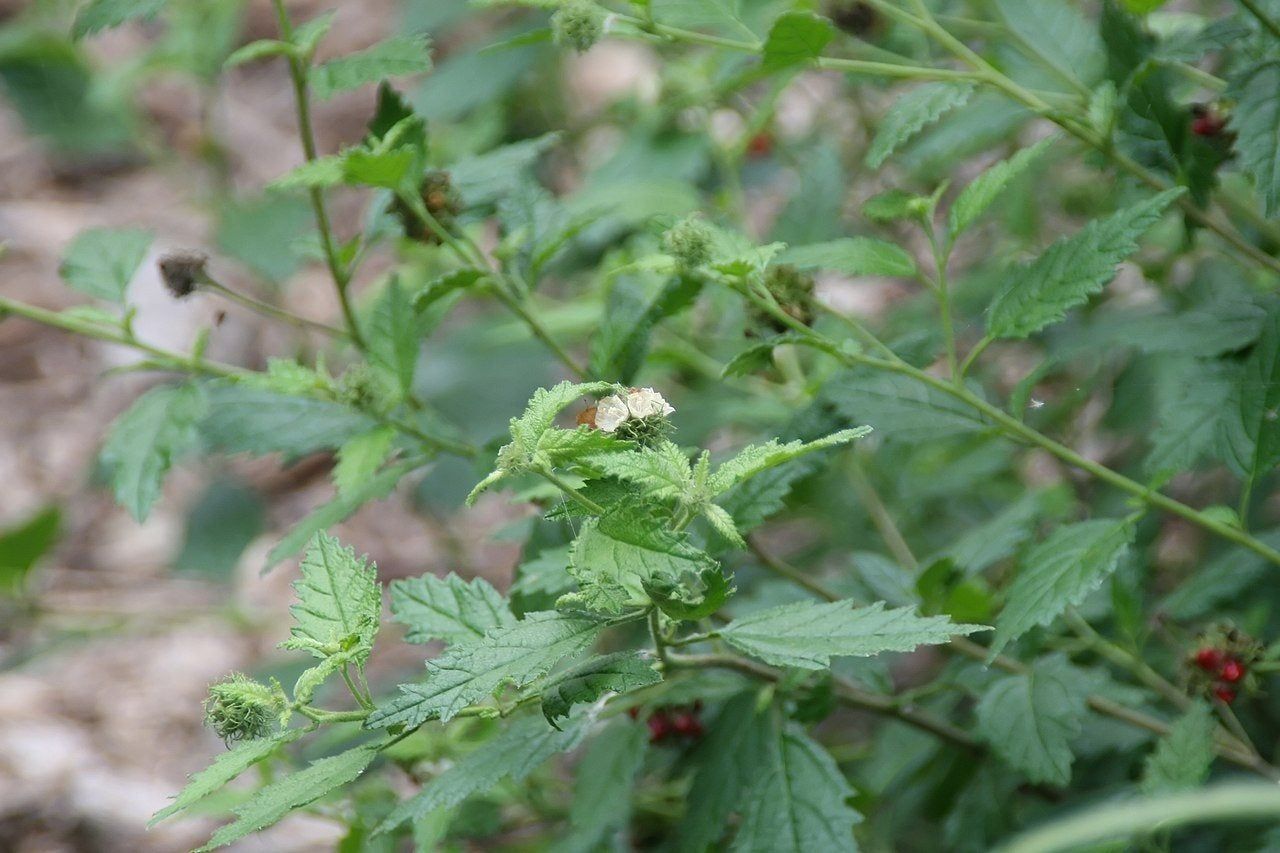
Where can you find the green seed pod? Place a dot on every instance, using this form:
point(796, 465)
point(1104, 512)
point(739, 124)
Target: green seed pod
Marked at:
point(239, 708)
point(689, 242)
point(577, 24)
point(646, 432)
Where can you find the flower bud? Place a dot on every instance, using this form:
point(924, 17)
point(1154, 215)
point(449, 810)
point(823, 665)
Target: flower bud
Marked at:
point(182, 272)
point(577, 24)
point(689, 242)
point(239, 708)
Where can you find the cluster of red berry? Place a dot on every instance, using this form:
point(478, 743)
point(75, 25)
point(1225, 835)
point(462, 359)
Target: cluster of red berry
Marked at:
point(1206, 121)
point(665, 723)
point(1226, 669)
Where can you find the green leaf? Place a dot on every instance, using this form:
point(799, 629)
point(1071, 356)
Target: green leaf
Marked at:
point(224, 768)
point(900, 407)
point(485, 178)
point(448, 608)
point(1058, 573)
point(851, 256)
point(717, 15)
point(662, 472)
point(260, 49)
point(631, 312)
point(276, 800)
point(795, 38)
point(913, 111)
point(393, 57)
point(147, 439)
point(340, 508)
point(360, 458)
point(1058, 35)
point(722, 522)
point(1182, 758)
point(759, 356)
point(1072, 269)
point(757, 458)
point(615, 554)
point(602, 789)
point(309, 34)
point(978, 195)
point(471, 672)
point(1031, 719)
point(808, 634)
point(101, 261)
point(799, 803)
point(594, 677)
point(691, 596)
point(1188, 427)
point(393, 335)
point(1258, 393)
point(244, 419)
point(339, 600)
point(22, 545)
point(518, 750)
point(98, 15)
point(1256, 122)
point(893, 205)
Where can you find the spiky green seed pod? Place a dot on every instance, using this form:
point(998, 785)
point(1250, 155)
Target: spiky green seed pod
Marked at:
point(577, 24)
point(239, 708)
point(689, 242)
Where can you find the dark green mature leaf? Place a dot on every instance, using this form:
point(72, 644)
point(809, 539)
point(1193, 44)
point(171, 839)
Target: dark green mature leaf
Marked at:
point(795, 38)
point(594, 677)
point(147, 439)
point(808, 634)
point(602, 790)
point(225, 767)
point(242, 419)
point(799, 803)
point(1259, 398)
point(393, 335)
point(339, 600)
point(448, 608)
point(485, 178)
point(621, 342)
point(912, 112)
point(1058, 573)
point(1072, 269)
point(900, 407)
point(97, 15)
point(394, 57)
point(615, 554)
point(471, 672)
point(978, 195)
point(1058, 35)
point(1182, 758)
point(1256, 122)
point(852, 256)
point(758, 458)
point(1189, 426)
point(101, 261)
point(23, 545)
point(690, 596)
point(516, 751)
point(1030, 720)
point(294, 791)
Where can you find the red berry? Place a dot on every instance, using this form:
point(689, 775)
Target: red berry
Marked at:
point(634, 712)
point(659, 727)
point(1208, 124)
point(1210, 660)
point(688, 724)
point(761, 144)
point(1232, 671)
point(1226, 694)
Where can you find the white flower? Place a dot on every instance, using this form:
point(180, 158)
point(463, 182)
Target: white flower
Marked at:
point(610, 413)
point(645, 402)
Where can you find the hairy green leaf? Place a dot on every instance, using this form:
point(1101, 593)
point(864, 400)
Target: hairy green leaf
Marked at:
point(393, 335)
point(1031, 719)
point(360, 458)
point(591, 679)
point(900, 407)
point(913, 111)
point(101, 261)
point(851, 256)
point(243, 419)
point(339, 600)
point(97, 15)
point(1058, 573)
point(1072, 269)
point(1182, 758)
point(1256, 122)
point(662, 472)
point(393, 57)
point(757, 458)
point(795, 38)
point(978, 195)
point(808, 634)
point(147, 439)
point(227, 766)
point(448, 608)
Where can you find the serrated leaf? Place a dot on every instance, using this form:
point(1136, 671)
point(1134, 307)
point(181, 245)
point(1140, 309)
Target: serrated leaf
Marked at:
point(339, 598)
point(1058, 34)
point(851, 256)
point(753, 501)
point(340, 508)
point(1058, 573)
point(901, 408)
point(255, 50)
point(757, 458)
point(893, 205)
point(448, 608)
point(722, 523)
point(545, 405)
point(471, 672)
point(225, 767)
point(1072, 269)
point(393, 335)
point(1256, 123)
point(594, 677)
point(393, 57)
point(244, 419)
point(808, 634)
point(360, 458)
point(485, 178)
point(795, 38)
point(1258, 393)
point(615, 554)
point(978, 195)
point(1182, 758)
point(799, 803)
point(515, 752)
point(631, 312)
point(147, 439)
point(98, 15)
point(314, 174)
point(102, 261)
point(662, 472)
point(1030, 720)
point(911, 113)
point(294, 791)
point(691, 596)
point(1188, 427)
point(759, 356)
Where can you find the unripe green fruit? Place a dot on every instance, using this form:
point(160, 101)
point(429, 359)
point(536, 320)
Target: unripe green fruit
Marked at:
point(578, 25)
point(689, 242)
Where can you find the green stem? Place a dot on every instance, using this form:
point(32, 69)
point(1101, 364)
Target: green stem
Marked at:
point(559, 482)
point(360, 697)
point(784, 570)
point(268, 310)
point(299, 69)
point(655, 632)
point(978, 349)
point(941, 256)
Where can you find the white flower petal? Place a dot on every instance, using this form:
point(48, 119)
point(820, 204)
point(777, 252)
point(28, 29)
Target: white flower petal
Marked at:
point(646, 402)
point(610, 413)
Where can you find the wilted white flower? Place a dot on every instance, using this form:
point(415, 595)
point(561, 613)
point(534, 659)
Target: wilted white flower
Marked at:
point(645, 402)
point(610, 413)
